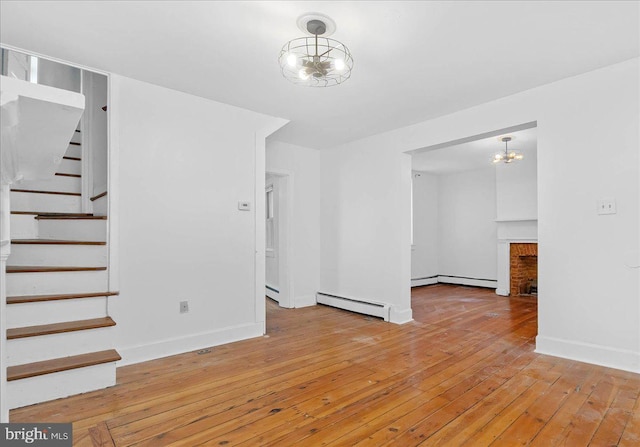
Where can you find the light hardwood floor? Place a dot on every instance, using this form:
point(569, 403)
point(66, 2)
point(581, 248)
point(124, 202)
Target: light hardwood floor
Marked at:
point(463, 373)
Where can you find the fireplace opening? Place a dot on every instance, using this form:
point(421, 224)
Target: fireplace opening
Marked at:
point(524, 269)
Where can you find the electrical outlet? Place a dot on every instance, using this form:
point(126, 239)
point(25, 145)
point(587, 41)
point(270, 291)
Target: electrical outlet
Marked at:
point(184, 307)
point(607, 206)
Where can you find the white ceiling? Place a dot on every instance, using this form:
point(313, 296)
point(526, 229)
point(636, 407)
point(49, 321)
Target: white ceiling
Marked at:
point(475, 154)
point(413, 60)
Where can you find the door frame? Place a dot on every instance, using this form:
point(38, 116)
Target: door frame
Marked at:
point(286, 297)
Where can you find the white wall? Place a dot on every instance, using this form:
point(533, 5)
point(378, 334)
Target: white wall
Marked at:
point(184, 163)
point(588, 138)
point(58, 75)
point(366, 243)
point(467, 239)
point(455, 228)
point(424, 253)
point(517, 189)
point(303, 167)
point(95, 89)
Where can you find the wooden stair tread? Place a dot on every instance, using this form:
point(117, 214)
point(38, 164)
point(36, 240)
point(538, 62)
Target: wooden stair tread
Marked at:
point(46, 213)
point(68, 296)
point(61, 364)
point(71, 217)
point(46, 269)
point(59, 328)
point(64, 174)
point(59, 193)
point(54, 242)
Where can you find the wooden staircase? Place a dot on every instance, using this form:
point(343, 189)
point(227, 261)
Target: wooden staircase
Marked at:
point(59, 336)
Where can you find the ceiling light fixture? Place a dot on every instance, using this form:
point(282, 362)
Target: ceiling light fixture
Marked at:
point(316, 61)
point(506, 156)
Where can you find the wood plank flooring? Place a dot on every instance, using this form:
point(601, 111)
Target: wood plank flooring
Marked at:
point(463, 373)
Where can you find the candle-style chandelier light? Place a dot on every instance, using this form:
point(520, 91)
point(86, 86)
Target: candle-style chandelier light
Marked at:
point(506, 156)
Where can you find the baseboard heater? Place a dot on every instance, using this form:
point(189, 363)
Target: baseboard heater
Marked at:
point(449, 279)
point(380, 310)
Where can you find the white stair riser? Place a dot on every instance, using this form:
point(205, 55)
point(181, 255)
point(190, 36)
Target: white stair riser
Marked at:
point(70, 167)
point(58, 311)
point(46, 347)
point(76, 138)
point(29, 391)
point(52, 203)
point(56, 282)
point(74, 150)
point(23, 226)
point(46, 254)
point(73, 229)
point(57, 183)
point(101, 206)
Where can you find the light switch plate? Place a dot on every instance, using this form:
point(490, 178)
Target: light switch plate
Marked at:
point(244, 206)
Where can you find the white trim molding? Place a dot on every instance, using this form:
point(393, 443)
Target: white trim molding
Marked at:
point(305, 301)
point(400, 316)
point(427, 281)
point(181, 345)
point(590, 353)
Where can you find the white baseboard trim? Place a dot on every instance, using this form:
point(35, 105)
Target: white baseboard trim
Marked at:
point(502, 292)
point(400, 316)
point(305, 301)
point(180, 345)
point(424, 281)
point(589, 353)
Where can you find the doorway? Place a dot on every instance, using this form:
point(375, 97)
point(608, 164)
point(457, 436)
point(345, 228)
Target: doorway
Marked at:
point(467, 212)
point(278, 277)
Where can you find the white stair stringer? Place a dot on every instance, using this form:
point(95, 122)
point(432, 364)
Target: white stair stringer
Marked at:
point(23, 226)
point(45, 203)
point(57, 311)
point(52, 346)
point(56, 183)
point(73, 229)
point(44, 283)
point(58, 254)
point(37, 389)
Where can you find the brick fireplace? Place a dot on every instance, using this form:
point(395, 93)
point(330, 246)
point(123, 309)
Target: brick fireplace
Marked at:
point(523, 269)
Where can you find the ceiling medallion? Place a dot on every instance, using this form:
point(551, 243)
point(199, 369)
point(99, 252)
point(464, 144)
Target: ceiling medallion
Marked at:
point(316, 60)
